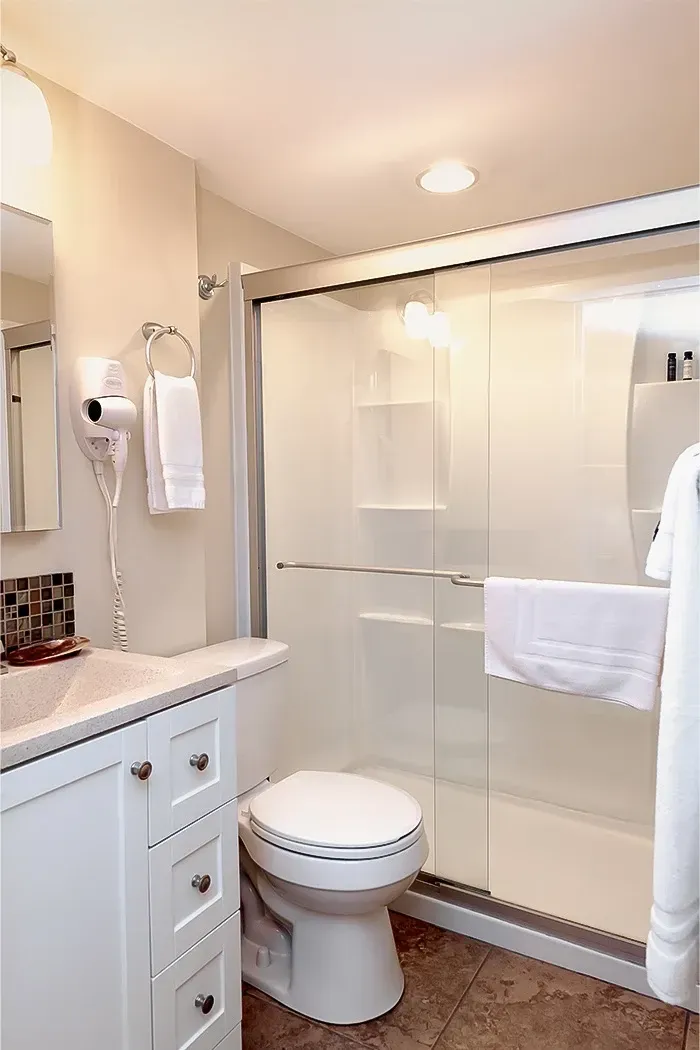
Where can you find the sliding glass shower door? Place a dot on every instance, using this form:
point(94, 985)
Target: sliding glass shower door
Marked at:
point(584, 429)
point(358, 439)
point(509, 419)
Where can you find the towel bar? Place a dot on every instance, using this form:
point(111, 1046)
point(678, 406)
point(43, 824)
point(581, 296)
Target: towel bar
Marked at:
point(460, 579)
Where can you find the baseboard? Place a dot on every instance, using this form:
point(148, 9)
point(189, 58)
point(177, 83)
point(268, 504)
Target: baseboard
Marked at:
point(430, 904)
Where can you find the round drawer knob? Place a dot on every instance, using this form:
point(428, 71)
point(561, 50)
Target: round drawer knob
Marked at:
point(201, 882)
point(142, 770)
point(204, 1003)
point(200, 762)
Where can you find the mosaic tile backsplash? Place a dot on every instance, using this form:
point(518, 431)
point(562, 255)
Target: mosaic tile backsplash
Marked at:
point(36, 608)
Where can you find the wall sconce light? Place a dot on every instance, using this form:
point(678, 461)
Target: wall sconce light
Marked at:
point(26, 124)
point(422, 321)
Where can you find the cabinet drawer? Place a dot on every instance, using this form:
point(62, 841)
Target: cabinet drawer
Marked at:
point(193, 880)
point(193, 752)
point(211, 969)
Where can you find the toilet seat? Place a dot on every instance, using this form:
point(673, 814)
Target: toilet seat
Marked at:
point(346, 873)
point(341, 816)
point(337, 853)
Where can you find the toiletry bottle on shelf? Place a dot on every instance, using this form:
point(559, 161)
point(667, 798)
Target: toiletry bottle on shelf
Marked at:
point(688, 364)
point(671, 368)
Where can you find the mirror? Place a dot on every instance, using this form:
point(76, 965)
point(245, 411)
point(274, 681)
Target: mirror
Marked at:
point(29, 468)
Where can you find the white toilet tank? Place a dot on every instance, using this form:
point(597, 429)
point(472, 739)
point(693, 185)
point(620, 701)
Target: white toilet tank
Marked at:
point(261, 693)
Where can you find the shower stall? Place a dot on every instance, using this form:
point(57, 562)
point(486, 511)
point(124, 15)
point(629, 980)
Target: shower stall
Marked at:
point(491, 403)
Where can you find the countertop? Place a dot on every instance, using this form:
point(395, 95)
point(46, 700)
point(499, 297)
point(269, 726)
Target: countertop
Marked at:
point(48, 707)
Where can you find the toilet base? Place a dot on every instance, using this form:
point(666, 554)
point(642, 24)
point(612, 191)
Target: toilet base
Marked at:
point(341, 969)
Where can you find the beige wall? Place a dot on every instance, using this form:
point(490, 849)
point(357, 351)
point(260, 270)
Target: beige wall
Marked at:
point(131, 232)
point(125, 241)
point(227, 234)
point(23, 301)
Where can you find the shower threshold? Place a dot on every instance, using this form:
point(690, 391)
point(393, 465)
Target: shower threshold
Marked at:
point(595, 953)
point(483, 903)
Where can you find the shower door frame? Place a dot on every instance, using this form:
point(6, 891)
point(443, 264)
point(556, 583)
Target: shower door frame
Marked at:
point(601, 955)
point(671, 210)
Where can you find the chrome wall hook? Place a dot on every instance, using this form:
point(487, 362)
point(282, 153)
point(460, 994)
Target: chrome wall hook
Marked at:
point(206, 285)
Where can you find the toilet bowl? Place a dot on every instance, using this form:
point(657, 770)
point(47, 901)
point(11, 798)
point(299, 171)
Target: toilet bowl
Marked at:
point(322, 856)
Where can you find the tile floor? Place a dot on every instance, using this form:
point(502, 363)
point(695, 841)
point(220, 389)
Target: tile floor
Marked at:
point(462, 995)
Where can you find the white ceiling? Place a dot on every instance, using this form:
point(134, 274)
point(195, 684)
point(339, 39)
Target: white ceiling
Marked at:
point(318, 114)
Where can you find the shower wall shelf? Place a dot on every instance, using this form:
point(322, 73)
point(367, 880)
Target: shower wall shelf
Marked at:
point(665, 419)
point(683, 383)
point(402, 451)
point(418, 621)
point(416, 508)
point(395, 404)
point(400, 618)
point(463, 627)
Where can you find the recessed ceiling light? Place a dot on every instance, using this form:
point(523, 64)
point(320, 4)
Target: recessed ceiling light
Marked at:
point(448, 176)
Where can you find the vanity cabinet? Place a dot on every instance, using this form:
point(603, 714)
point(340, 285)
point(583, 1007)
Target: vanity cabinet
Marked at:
point(108, 944)
point(75, 920)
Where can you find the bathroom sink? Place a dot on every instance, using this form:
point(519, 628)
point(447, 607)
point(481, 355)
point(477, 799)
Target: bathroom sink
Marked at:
point(50, 706)
point(35, 693)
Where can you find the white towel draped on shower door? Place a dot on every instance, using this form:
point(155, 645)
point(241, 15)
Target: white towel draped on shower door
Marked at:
point(593, 639)
point(672, 947)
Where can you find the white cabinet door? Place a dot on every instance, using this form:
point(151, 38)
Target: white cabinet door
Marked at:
point(74, 867)
point(193, 751)
point(197, 1000)
point(233, 1040)
point(194, 884)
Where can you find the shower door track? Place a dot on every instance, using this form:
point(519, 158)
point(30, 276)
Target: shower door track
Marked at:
point(460, 579)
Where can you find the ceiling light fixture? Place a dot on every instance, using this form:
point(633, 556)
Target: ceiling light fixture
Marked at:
point(448, 176)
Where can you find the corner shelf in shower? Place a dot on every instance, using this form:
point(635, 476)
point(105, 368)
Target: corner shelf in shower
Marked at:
point(665, 419)
point(394, 404)
point(415, 508)
point(396, 618)
point(419, 621)
point(463, 626)
point(684, 383)
point(402, 453)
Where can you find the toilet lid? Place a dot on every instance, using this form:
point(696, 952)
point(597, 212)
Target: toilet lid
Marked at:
point(339, 810)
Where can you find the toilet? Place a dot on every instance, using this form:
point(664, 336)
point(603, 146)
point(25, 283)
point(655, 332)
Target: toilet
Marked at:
point(322, 855)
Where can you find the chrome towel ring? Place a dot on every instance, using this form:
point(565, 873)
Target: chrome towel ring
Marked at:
point(152, 332)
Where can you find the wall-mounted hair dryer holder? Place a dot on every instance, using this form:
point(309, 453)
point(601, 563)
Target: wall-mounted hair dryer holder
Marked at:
point(101, 415)
point(100, 410)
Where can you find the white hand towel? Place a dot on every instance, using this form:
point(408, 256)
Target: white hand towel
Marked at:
point(173, 444)
point(591, 639)
point(672, 947)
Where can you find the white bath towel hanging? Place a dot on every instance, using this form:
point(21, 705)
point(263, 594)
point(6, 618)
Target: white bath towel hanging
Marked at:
point(599, 640)
point(672, 947)
point(172, 432)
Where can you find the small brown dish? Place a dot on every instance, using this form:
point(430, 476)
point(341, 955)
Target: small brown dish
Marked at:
point(44, 652)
